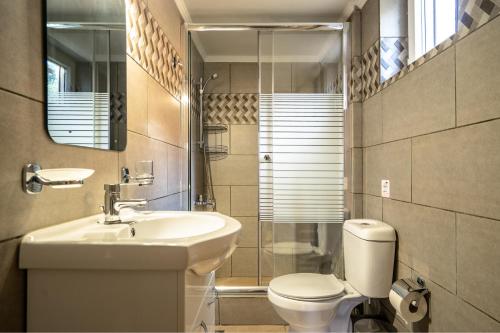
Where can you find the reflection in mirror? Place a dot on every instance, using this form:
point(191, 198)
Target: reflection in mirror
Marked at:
point(86, 73)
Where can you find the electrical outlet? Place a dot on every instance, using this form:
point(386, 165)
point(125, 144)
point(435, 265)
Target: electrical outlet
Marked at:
point(386, 188)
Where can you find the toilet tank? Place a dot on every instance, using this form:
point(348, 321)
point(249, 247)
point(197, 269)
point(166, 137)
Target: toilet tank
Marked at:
point(369, 247)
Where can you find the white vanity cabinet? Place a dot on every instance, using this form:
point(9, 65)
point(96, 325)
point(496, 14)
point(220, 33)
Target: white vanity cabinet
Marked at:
point(88, 276)
point(120, 300)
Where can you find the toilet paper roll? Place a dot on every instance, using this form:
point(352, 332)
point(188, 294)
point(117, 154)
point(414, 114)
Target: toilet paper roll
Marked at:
point(412, 306)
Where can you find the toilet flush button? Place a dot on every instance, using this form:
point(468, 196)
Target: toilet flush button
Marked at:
point(386, 188)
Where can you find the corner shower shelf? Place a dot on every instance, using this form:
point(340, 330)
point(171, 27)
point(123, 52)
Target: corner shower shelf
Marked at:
point(217, 152)
point(215, 128)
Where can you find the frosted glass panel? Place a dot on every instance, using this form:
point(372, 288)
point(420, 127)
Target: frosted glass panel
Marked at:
point(301, 158)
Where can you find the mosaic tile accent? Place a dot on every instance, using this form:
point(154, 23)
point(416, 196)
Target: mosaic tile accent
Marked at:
point(356, 80)
point(235, 109)
point(371, 70)
point(149, 46)
point(339, 83)
point(474, 13)
point(393, 56)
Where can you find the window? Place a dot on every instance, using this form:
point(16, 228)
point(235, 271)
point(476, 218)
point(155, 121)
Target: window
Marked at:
point(430, 23)
point(57, 77)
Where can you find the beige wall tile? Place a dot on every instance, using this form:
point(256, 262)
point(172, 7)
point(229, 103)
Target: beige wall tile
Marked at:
point(282, 78)
point(12, 292)
point(458, 169)
point(249, 231)
point(21, 47)
point(24, 140)
point(449, 313)
point(171, 202)
point(354, 204)
point(223, 82)
point(354, 125)
point(244, 262)
point(169, 19)
point(174, 169)
point(372, 207)
point(223, 199)
point(244, 77)
point(422, 101)
point(163, 114)
point(356, 33)
point(372, 121)
point(306, 77)
point(244, 139)
point(370, 27)
point(390, 161)
point(357, 170)
point(244, 201)
point(236, 170)
point(161, 168)
point(426, 240)
point(478, 75)
point(224, 270)
point(478, 264)
point(137, 98)
point(247, 311)
point(139, 148)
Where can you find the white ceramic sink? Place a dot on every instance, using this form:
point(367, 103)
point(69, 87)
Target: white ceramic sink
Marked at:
point(163, 240)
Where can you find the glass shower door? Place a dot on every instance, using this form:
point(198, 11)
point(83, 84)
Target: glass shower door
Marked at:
point(301, 153)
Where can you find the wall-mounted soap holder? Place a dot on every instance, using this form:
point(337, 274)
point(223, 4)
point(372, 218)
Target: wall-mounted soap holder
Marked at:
point(144, 174)
point(34, 177)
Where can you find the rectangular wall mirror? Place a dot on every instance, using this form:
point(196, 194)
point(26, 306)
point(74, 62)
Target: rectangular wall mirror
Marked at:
point(86, 73)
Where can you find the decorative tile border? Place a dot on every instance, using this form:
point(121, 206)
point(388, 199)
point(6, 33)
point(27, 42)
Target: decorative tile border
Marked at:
point(149, 46)
point(356, 80)
point(393, 56)
point(235, 109)
point(371, 70)
point(472, 15)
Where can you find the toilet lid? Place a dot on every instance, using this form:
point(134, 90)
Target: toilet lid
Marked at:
point(307, 286)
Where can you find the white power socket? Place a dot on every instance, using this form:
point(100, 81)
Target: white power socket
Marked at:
point(386, 188)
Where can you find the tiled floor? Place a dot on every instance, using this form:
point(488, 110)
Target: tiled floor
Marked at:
point(252, 329)
point(241, 281)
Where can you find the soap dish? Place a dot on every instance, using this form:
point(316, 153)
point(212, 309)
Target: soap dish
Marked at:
point(34, 177)
point(67, 174)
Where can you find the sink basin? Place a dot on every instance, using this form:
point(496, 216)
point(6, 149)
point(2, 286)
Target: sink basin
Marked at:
point(161, 240)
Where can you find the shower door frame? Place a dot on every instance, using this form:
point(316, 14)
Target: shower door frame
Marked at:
point(343, 27)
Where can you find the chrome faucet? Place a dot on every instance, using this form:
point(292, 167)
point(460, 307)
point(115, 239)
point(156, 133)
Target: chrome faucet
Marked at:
point(113, 204)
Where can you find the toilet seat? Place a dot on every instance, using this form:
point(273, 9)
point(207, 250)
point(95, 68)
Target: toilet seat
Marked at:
point(307, 287)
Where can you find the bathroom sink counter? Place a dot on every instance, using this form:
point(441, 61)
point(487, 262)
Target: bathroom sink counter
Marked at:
point(199, 241)
point(158, 277)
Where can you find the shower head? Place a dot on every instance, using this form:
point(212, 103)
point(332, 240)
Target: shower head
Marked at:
point(214, 76)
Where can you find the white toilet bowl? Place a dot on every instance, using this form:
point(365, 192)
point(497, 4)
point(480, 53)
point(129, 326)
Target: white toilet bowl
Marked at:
point(327, 313)
point(321, 303)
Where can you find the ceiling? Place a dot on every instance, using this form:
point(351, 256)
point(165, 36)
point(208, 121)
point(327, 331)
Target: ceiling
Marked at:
point(269, 11)
point(242, 46)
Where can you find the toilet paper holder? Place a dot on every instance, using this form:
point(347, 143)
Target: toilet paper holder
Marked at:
point(404, 286)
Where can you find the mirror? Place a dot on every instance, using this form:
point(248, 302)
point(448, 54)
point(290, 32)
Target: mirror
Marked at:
point(86, 74)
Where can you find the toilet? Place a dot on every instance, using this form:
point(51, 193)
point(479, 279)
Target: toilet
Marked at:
point(311, 302)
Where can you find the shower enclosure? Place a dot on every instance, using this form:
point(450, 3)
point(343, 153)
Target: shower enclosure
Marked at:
point(267, 144)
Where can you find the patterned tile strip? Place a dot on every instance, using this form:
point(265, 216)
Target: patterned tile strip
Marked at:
point(393, 56)
point(371, 70)
point(235, 109)
point(356, 80)
point(149, 46)
point(472, 15)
